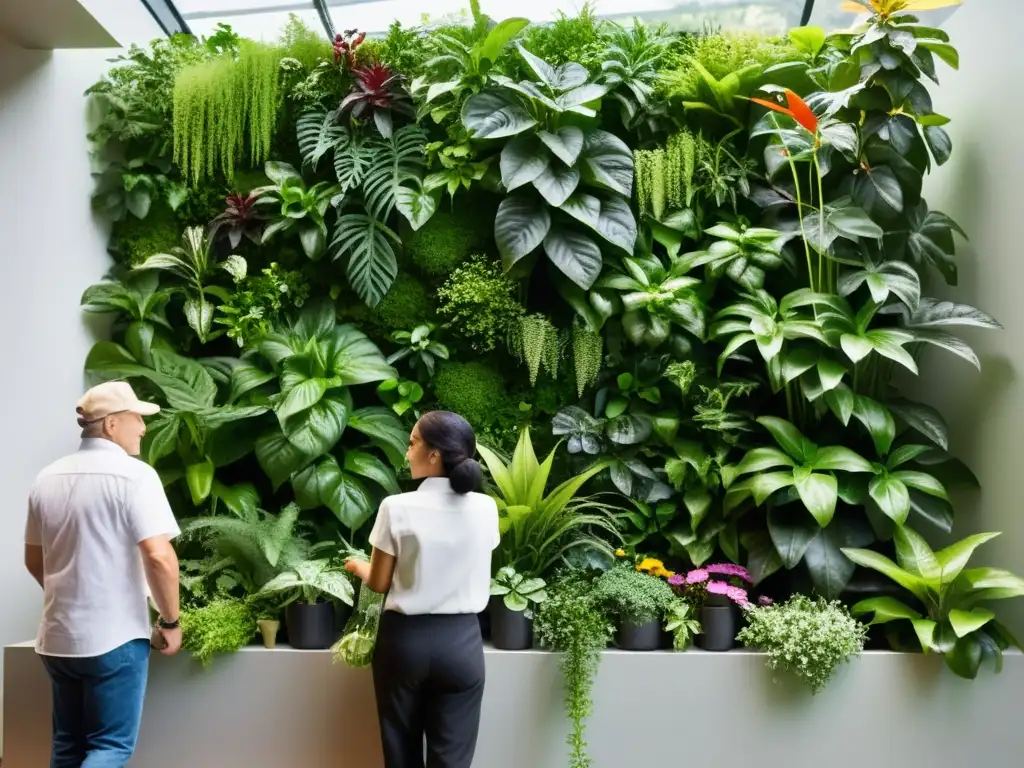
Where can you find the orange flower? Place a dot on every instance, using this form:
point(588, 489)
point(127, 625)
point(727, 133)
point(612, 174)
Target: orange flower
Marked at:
point(886, 8)
point(797, 109)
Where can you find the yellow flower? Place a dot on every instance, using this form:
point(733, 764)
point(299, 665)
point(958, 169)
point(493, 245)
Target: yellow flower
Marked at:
point(650, 565)
point(620, 552)
point(663, 573)
point(886, 8)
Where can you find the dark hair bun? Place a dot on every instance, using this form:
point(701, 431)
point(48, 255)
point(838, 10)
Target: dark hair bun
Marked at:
point(466, 476)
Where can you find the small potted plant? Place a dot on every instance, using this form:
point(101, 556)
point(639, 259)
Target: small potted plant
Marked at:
point(308, 587)
point(510, 608)
point(807, 637)
point(719, 591)
point(681, 623)
point(637, 599)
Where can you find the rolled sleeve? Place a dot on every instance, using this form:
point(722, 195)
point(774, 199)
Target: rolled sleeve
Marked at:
point(148, 512)
point(382, 537)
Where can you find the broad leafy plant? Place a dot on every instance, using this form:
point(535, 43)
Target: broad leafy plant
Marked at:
point(517, 590)
point(954, 619)
point(568, 186)
point(140, 305)
point(313, 362)
point(298, 207)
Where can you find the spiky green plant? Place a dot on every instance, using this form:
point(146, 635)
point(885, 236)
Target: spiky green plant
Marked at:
point(538, 529)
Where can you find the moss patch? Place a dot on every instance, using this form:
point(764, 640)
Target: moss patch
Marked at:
point(476, 391)
point(450, 238)
point(133, 240)
point(405, 306)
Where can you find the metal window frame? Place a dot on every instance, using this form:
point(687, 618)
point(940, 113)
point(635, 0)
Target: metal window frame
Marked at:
point(170, 20)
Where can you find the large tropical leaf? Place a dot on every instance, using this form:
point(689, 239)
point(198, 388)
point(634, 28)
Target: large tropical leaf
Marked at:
point(368, 245)
point(522, 223)
point(496, 114)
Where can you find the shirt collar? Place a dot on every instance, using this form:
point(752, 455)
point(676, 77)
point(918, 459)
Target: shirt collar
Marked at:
point(435, 485)
point(101, 444)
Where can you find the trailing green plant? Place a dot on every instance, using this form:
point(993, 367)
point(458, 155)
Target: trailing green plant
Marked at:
point(810, 638)
point(955, 620)
point(222, 626)
point(633, 597)
point(196, 264)
point(517, 590)
point(551, 166)
point(571, 623)
point(587, 356)
point(539, 529)
point(536, 342)
point(480, 303)
point(223, 105)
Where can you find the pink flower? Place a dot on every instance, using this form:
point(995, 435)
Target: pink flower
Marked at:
point(764, 601)
point(738, 595)
point(730, 569)
point(676, 579)
point(719, 587)
point(697, 576)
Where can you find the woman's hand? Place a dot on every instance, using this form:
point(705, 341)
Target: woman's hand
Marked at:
point(359, 568)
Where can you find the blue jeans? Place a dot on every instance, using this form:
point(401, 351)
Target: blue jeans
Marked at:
point(97, 706)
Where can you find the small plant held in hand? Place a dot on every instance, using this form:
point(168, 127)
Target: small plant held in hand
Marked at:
point(807, 637)
point(517, 591)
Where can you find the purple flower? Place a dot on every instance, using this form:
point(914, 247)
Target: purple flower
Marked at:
point(738, 595)
point(676, 579)
point(764, 601)
point(730, 569)
point(697, 576)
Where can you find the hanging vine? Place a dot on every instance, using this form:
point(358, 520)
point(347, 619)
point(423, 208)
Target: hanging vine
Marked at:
point(219, 103)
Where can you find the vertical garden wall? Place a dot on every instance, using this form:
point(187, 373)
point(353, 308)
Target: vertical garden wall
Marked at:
point(686, 269)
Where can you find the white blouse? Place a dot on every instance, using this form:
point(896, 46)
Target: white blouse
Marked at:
point(442, 543)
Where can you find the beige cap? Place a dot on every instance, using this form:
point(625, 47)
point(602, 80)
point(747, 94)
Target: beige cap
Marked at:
point(113, 397)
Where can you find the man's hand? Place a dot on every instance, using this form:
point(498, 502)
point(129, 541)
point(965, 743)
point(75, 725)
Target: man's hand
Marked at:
point(171, 640)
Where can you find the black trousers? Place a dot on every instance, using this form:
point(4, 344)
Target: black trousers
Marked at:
point(428, 675)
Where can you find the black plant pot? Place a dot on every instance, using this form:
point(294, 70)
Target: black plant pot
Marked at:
point(310, 627)
point(638, 637)
point(510, 630)
point(718, 625)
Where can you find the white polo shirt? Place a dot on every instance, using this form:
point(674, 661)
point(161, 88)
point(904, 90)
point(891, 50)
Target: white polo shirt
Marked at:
point(89, 511)
point(442, 543)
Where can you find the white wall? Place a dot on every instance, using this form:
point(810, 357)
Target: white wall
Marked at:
point(980, 189)
point(52, 250)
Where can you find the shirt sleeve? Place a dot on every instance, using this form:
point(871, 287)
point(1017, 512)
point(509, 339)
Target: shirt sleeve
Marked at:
point(382, 537)
point(148, 512)
point(496, 529)
point(33, 530)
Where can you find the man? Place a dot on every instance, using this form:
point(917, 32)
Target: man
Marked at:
point(99, 529)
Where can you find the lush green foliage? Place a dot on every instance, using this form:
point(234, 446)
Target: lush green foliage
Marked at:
point(807, 637)
point(632, 596)
point(688, 266)
point(518, 591)
point(222, 626)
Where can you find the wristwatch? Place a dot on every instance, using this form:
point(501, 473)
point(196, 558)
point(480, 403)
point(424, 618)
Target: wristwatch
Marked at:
point(168, 624)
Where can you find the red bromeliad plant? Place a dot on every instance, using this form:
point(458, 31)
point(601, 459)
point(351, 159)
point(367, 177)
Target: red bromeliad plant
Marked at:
point(379, 91)
point(345, 44)
point(240, 218)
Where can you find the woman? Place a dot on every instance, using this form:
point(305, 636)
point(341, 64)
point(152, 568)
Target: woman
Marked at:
point(432, 554)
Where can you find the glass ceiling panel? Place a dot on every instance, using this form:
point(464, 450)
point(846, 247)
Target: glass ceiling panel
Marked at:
point(264, 19)
point(827, 14)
